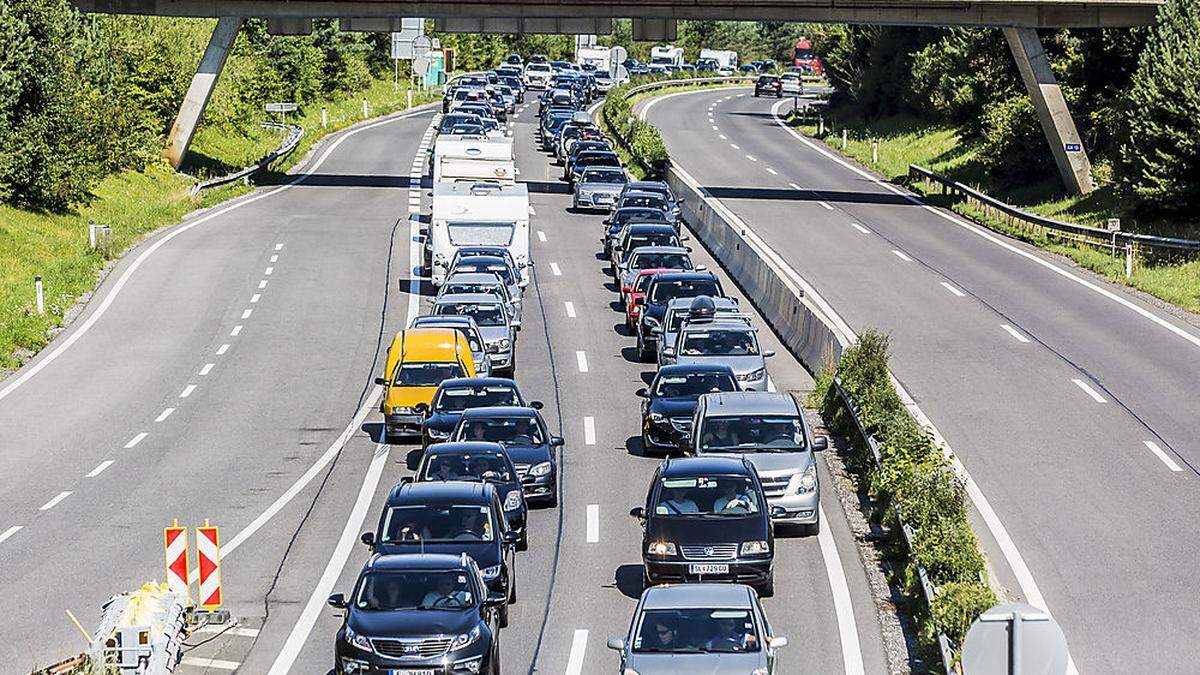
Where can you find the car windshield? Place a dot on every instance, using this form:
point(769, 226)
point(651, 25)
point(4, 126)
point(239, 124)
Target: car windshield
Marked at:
point(697, 630)
point(465, 130)
point(593, 160)
point(668, 289)
point(670, 261)
point(648, 201)
point(718, 343)
point(391, 590)
point(611, 176)
point(502, 430)
point(692, 385)
point(751, 433)
point(502, 271)
point(434, 523)
point(426, 374)
point(470, 287)
point(651, 239)
point(622, 216)
point(643, 280)
point(484, 313)
point(707, 496)
point(456, 399)
point(468, 466)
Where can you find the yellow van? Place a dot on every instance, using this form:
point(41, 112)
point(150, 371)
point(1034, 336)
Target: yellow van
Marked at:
point(417, 362)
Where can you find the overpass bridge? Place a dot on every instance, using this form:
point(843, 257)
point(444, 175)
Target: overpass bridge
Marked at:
point(655, 20)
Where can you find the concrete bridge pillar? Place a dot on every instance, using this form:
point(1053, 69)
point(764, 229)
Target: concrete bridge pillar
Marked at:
point(191, 111)
point(1068, 150)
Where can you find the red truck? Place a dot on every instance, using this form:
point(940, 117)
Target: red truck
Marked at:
point(805, 58)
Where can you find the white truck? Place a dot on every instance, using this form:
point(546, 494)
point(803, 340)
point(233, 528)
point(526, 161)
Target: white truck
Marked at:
point(478, 213)
point(666, 55)
point(726, 60)
point(474, 158)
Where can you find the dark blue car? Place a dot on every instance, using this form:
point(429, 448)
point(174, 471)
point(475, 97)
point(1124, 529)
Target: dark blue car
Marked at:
point(524, 435)
point(480, 463)
point(671, 399)
point(463, 393)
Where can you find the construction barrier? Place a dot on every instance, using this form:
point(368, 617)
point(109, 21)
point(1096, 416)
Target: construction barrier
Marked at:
point(175, 550)
point(208, 560)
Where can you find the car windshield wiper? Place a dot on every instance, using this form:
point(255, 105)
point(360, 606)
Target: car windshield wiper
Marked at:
point(679, 650)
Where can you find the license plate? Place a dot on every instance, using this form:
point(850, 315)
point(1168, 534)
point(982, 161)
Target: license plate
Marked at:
point(604, 198)
point(423, 671)
point(697, 568)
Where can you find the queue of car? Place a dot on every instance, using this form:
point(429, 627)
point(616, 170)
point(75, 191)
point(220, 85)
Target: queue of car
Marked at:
point(739, 462)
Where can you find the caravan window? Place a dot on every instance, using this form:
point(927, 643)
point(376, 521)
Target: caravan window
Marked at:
point(480, 234)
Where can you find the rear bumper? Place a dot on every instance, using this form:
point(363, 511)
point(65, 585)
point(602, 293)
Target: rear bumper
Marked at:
point(751, 572)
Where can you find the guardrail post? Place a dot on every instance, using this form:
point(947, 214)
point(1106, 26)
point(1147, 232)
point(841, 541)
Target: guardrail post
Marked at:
point(37, 289)
point(875, 151)
point(324, 117)
point(844, 140)
point(409, 98)
point(366, 112)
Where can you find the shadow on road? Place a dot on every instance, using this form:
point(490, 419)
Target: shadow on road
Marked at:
point(630, 581)
point(831, 196)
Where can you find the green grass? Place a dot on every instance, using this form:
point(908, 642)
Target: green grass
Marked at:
point(135, 204)
point(906, 140)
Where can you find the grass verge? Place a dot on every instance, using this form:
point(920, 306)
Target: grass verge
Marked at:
point(135, 204)
point(905, 140)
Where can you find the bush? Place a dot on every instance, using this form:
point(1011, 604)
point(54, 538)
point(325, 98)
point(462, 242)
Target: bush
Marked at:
point(1014, 146)
point(957, 605)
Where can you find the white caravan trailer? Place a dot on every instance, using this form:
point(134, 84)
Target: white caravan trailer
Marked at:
point(478, 213)
point(666, 55)
point(474, 158)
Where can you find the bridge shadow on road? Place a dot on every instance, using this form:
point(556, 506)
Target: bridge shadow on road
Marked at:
point(267, 179)
point(830, 196)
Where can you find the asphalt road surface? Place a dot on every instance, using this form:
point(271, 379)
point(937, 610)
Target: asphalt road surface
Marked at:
point(223, 371)
point(1072, 402)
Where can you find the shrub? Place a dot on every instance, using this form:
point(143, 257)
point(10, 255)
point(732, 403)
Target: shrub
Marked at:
point(957, 605)
point(1014, 146)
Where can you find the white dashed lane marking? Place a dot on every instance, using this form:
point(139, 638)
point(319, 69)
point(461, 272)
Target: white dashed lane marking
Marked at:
point(1166, 459)
point(54, 502)
point(589, 431)
point(860, 228)
point(1013, 332)
point(10, 532)
point(187, 391)
point(237, 330)
point(581, 360)
point(207, 368)
point(135, 440)
point(99, 468)
point(570, 309)
point(1089, 391)
point(164, 414)
point(554, 268)
point(901, 255)
point(593, 523)
point(950, 287)
point(222, 349)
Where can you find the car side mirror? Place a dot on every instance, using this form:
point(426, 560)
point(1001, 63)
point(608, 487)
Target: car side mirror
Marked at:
point(556, 441)
point(421, 408)
point(407, 480)
point(337, 601)
point(778, 512)
point(638, 512)
point(668, 351)
point(642, 393)
point(381, 380)
point(367, 538)
point(701, 268)
point(607, 221)
point(616, 644)
point(688, 248)
point(821, 443)
point(516, 324)
point(769, 353)
point(495, 599)
point(511, 537)
point(537, 405)
point(778, 641)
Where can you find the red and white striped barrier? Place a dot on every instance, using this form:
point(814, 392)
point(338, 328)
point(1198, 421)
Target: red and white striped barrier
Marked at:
point(175, 548)
point(208, 560)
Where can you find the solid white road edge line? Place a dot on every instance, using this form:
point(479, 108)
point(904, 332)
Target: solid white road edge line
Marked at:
point(218, 664)
point(593, 523)
point(1158, 452)
point(119, 284)
point(1087, 389)
point(578, 647)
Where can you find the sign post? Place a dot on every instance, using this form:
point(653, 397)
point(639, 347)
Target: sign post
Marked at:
point(283, 109)
point(1013, 639)
point(175, 550)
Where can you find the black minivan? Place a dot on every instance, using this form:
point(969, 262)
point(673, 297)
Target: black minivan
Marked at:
point(706, 520)
point(452, 517)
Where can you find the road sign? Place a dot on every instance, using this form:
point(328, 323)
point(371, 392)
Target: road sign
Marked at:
point(420, 65)
point(421, 47)
point(1073, 147)
point(281, 107)
point(208, 560)
point(175, 550)
point(1015, 638)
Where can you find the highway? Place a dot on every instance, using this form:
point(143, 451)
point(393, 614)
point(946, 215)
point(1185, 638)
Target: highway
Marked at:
point(223, 371)
point(1071, 401)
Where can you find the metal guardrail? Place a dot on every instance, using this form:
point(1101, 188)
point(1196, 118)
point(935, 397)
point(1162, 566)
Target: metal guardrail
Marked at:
point(945, 647)
point(295, 132)
point(1112, 240)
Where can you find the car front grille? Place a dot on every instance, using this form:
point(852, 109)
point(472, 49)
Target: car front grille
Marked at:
point(420, 648)
point(774, 486)
point(522, 469)
point(709, 551)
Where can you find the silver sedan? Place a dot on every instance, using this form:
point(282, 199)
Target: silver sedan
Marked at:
point(598, 187)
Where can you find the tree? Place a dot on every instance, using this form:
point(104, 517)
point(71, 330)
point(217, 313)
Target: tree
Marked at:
point(1159, 160)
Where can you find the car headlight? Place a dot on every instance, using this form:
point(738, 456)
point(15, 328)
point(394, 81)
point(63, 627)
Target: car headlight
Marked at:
point(650, 321)
point(661, 548)
point(631, 671)
point(542, 469)
point(752, 375)
point(437, 435)
point(465, 640)
point(657, 417)
point(357, 640)
point(490, 573)
point(805, 482)
point(512, 500)
point(755, 547)
point(586, 193)
point(402, 410)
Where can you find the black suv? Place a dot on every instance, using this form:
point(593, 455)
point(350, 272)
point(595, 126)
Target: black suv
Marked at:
point(524, 435)
point(427, 613)
point(671, 399)
point(452, 517)
point(706, 519)
point(768, 85)
point(479, 463)
point(664, 288)
point(463, 393)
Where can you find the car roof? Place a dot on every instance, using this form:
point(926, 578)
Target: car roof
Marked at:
point(719, 303)
point(478, 382)
point(685, 368)
point(661, 249)
point(643, 193)
point(462, 447)
point(739, 324)
point(440, 492)
point(500, 411)
point(416, 561)
point(481, 259)
point(650, 227)
point(466, 299)
point(678, 467)
point(684, 596)
point(424, 344)
point(474, 278)
point(751, 403)
point(686, 276)
point(641, 184)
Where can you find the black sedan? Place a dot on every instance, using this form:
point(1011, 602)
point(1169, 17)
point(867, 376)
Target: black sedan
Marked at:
point(524, 435)
point(706, 519)
point(671, 399)
point(418, 613)
point(479, 463)
point(463, 393)
point(588, 158)
point(768, 85)
point(664, 288)
point(628, 216)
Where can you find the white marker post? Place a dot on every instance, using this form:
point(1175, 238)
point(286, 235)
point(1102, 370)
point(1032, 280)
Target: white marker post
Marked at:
point(1128, 260)
point(324, 117)
point(91, 234)
point(875, 151)
point(37, 287)
point(844, 140)
point(410, 98)
point(366, 111)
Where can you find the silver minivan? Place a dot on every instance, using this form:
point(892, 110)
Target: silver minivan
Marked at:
point(769, 430)
point(699, 628)
point(719, 341)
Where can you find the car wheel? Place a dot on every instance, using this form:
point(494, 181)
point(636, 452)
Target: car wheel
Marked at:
point(767, 589)
point(523, 542)
point(814, 529)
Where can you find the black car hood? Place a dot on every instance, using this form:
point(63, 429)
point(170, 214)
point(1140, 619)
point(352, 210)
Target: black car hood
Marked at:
point(484, 553)
point(528, 454)
point(413, 622)
point(443, 421)
point(674, 407)
point(654, 309)
point(707, 530)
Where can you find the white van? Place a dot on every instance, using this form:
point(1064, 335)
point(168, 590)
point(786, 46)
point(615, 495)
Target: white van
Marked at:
point(474, 158)
point(478, 213)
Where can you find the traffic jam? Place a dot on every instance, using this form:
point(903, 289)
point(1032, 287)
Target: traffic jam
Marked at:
point(738, 465)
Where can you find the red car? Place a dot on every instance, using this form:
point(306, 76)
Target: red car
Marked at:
point(638, 290)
